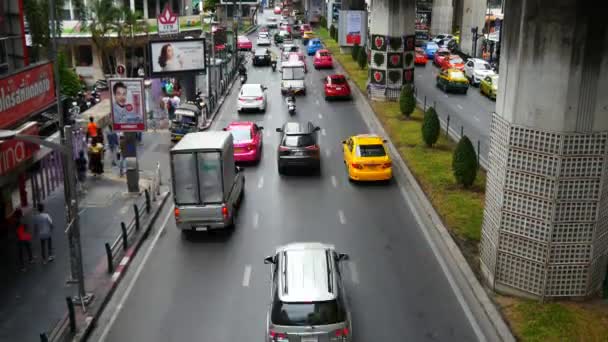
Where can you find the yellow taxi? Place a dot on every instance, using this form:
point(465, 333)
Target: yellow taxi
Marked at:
point(308, 35)
point(366, 158)
point(452, 80)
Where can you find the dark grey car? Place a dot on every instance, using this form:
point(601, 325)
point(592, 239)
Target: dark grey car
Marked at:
point(299, 147)
point(308, 299)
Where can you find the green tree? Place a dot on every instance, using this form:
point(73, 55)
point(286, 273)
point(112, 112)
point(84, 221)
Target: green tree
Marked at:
point(130, 24)
point(407, 102)
point(323, 22)
point(430, 127)
point(38, 21)
point(464, 162)
point(355, 52)
point(101, 18)
point(70, 83)
point(362, 58)
point(332, 31)
point(209, 5)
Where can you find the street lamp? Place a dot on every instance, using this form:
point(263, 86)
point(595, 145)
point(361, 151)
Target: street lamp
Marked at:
point(71, 200)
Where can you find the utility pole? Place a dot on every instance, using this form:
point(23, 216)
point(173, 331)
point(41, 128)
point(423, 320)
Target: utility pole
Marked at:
point(474, 50)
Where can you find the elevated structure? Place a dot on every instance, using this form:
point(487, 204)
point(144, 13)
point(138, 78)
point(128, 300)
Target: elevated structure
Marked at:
point(441, 16)
point(545, 227)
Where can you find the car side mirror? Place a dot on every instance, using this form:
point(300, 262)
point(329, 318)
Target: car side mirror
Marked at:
point(224, 129)
point(343, 257)
point(317, 129)
point(343, 142)
point(269, 260)
point(383, 140)
point(279, 130)
point(260, 127)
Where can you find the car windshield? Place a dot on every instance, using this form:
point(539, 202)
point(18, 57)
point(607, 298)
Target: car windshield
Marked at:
point(298, 140)
point(456, 60)
point(293, 73)
point(251, 90)
point(432, 46)
point(240, 133)
point(375, 150)
point(305, 314)
point(484, 66)
point(324, 54)
point(260, 52)
point(457, 75)
point(338, 80)
point(440, 36)
point(494, 79)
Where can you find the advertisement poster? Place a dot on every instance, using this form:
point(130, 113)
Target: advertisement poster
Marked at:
point(177, 56)
point(128, 106)
point(353, 28)
point(25, 93)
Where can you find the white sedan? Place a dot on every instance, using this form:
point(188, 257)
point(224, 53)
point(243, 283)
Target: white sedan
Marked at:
point(252, 97)
point(263, 39)
point(476, 69)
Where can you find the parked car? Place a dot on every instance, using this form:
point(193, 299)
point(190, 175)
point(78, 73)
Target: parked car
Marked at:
point(323, 59)
point(366, 158)
point(420, 57)
point(440, 55)
point(476, 69)
point(308, 301)
point(314, 45)
point(252, 97)
point(336, 87)
point(429, 49)
point(299, 147)
point(248, 140)
point(452, 62)
point(489, 86)
point(244, 44)
point(452, 80)
point(261, 57)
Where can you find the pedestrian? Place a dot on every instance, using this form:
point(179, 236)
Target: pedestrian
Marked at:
point(91, 128)
point(96, 157)
point(122, 147)
point(81, 168)
point(112, 144)
point(24, 240)
point(44, 229)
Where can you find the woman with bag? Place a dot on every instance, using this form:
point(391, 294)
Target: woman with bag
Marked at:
point(24, 240)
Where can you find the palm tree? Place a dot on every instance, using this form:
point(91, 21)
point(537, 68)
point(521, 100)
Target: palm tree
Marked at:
point(101, 20)
point(130, 25)
point(38, 20)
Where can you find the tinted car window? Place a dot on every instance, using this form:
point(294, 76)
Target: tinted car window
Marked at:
point(253, 90)
point(241, 133)
point(260, 52)
point(371, 151)
point(338, 80)
point(304, 314)
point(298, 140)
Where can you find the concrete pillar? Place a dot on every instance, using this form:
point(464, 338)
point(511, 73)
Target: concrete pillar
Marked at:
point(441, 16)
point(545, 226)
point(473, 15)
point(353, 5)
point(391, 48)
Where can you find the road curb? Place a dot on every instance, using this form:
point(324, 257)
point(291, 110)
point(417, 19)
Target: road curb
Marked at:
point(496, 319)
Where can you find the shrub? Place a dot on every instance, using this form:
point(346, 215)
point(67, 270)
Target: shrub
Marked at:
point(464, 162)
point(355, 52)
point(332, 31)
point(362, 58)
point(70, 83)
point(430, 127)
point(407, 102)
point(323, 22)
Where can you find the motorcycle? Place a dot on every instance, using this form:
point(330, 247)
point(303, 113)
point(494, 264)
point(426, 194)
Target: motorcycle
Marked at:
point(291, 105)
point(274, 65)
point(101, 85)
point(243, 78)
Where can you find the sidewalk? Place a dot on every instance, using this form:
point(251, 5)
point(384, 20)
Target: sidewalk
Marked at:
point(32, 301)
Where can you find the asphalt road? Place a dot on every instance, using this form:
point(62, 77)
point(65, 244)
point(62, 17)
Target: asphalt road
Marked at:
point(216, 286)
point(472, 112)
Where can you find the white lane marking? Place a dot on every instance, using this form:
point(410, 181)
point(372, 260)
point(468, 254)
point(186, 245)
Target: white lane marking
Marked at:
point(323, 132)
point(320, 116)
point(269, 116)
point(334, 181)
point(354, 273)
point(341, 216)
point(246, 276)
point(317, 102)
point(121, 303)
point(328, 152)
point(476, 118)
point(446, 95)
point(261, 182)
point(459, 106)
point(267, 134)
point(256, 220)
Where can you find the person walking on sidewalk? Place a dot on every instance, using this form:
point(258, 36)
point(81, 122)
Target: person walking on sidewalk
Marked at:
point(92, 128)
point(24, 240)
point(44, 228)
point(81, 169)
point(112, 144)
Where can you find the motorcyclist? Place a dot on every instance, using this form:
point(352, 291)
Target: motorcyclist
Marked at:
point(242, 70)
point(291, 95)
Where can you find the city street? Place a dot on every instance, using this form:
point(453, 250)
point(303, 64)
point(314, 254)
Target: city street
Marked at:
point(216, 286)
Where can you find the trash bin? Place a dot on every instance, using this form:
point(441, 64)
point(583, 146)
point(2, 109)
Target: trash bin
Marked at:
point(132, 174)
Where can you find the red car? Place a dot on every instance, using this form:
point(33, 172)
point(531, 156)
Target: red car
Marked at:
point(243, 43)
point(336, 87)
point(277, 10)
point(305, 27)
point(322, 59)
point(420, 57)
point(452, 62)
point(440, 55)
point(247, 138)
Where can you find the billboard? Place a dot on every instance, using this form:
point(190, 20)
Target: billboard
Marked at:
point(352, 28)
point(127, 104)
point(238, 2)
point(176, 56)
point(25, 93)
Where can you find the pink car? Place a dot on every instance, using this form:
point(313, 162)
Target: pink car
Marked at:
point(247, 141)
point(322, 59)
point(243, 43)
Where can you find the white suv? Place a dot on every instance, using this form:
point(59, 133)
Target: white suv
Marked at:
point(477, 69)
point(442, 36)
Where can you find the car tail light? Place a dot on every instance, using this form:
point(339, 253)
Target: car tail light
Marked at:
point(342, 332)
point(242, 99)
point(250, 147)
point(283, 148)
point(386, 165)
point(357, 166)
point(277, 335)
point(313, 147)
point(259, 98)
point(176, 213)
point(225, 211)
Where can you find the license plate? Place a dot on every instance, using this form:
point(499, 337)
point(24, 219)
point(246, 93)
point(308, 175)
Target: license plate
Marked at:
point(309, 339)
point(201, 228)
point(338, 88)
point(372, 166)
point(298, 153)
point(239, 150)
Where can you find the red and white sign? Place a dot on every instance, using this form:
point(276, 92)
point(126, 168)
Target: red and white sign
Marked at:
point(167, 21)
point(25, 93)
point(120, 69)
point(14, 152)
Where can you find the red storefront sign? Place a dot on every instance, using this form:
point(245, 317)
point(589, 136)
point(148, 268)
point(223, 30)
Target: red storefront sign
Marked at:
point(25, 93)
point(14, 152)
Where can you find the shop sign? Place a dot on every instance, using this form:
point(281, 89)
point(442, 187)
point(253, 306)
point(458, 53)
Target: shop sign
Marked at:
point(168, 22)
point(26, 93)
point(14, 152)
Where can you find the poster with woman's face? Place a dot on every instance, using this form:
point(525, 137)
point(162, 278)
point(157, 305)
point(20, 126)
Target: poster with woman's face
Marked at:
point(178, 56)
point(128, 109)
